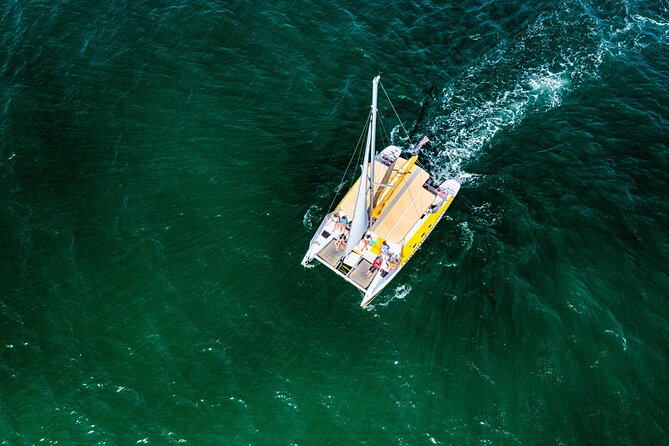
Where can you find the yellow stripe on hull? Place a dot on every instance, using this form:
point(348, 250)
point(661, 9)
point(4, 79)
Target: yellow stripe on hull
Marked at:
point(417, 239)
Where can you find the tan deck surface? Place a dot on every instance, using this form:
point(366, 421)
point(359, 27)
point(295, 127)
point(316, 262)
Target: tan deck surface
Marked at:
point(358, 274)
point(330, 255)
point(397, 220)
point(403, 208)
point(348, 203)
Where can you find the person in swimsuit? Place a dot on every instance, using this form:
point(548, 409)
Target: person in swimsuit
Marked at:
point(335, 219)
point(366, 240)
point(393, 263)
point(340, 243)
point(343, 221)
point(375, 266)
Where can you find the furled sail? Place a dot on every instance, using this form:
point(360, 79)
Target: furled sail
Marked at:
point(360, 217)
point(363, 202)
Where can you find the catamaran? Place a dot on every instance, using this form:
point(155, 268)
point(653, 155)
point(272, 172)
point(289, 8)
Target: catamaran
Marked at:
point(384, 217)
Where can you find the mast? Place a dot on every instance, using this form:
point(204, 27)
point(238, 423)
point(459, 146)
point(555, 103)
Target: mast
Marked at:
point(364, 201)
point(372, 154)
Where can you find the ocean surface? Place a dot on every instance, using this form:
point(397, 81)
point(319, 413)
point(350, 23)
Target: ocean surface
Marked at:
point(163, 166)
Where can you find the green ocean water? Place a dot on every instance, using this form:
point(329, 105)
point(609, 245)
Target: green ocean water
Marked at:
point(163, 166)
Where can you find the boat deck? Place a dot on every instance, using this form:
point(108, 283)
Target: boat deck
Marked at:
point(358, 274)
point(330, 256)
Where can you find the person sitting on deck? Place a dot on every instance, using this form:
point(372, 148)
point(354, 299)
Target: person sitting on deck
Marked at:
point(340, 242)
point(342, 223)
point(429, 211)
point(375, 266)
point(385, 250)
point(393, 262)
point(368, 241)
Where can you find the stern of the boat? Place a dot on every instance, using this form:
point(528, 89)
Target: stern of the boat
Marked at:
point(319, 241)
point(377, 285)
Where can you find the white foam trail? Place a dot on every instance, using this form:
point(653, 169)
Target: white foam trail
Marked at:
point(400, 293)
point(467, 236)
point(311, 217)
point(465, 131)
point(562, 49)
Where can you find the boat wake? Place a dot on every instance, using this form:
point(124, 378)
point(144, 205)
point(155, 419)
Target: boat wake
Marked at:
point(463, 131)
point(400, 293)
point(530, 74)
point(312, 217)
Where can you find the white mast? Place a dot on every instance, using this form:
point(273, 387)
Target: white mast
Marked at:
point(372, 154)
point(362, 211)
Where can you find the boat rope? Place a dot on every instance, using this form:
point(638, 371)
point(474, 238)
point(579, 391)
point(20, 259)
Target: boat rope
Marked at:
point(395, 111)
point(384, 133)
point(357, 151)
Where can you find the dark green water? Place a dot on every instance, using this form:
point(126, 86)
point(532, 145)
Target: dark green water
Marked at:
point(162, 167)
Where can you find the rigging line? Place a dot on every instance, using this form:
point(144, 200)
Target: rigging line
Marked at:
point(385, 135)
point(398, 116)
point(358, 146)
point(383, 132)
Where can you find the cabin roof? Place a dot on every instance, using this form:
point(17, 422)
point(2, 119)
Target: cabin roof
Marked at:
point(403, 207)
point(348, 203)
